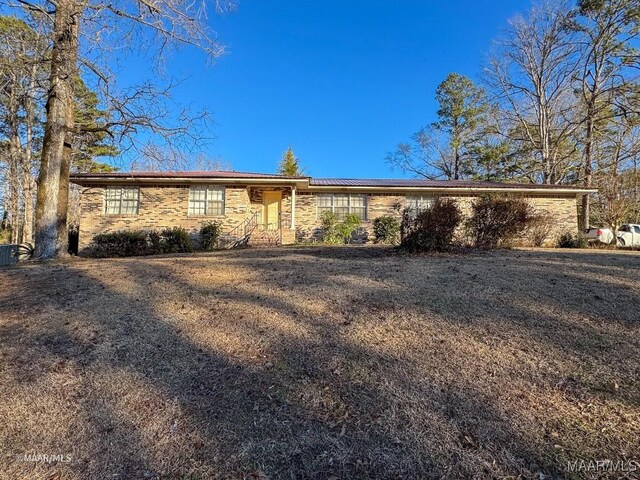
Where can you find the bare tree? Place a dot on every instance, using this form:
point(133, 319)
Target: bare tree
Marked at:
point(531, 75)
point(11, 123)
point(155, 25)
point(157, 159)
point(427, 155)
point(22, 58)
point(618, 154)
point(31, 101)
point(609, 67)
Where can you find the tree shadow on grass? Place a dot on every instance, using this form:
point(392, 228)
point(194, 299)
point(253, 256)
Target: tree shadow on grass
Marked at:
point(160, 397)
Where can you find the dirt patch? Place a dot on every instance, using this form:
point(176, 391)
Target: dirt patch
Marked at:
point(320, 363)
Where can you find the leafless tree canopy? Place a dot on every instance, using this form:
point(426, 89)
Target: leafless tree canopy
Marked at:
point(564, 86)
point(531, 74)
point(93, 41)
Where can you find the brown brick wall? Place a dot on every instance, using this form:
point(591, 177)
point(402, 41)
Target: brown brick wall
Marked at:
point(308, 227)
point(563, 210)
point(166, 206)
point(160, 207)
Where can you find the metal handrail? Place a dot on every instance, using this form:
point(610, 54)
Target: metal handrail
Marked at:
point(248, 226)
point(271, 227)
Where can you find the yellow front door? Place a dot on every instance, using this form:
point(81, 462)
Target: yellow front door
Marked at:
point(272, 210)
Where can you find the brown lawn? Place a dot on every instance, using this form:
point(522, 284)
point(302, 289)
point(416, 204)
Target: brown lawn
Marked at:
point(320, 363)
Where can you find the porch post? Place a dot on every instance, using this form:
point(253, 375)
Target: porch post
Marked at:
point(293, 208)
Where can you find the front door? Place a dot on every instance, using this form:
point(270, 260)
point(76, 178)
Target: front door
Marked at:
point(272, 210)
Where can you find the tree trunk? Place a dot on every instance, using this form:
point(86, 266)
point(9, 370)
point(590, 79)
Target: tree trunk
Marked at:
point(60, 96)
point(636, 190)
point(545, 148)
point(62, 242)
point(14, 187)
point(14, 159)
point(456, 168)
point(28, 183)
point(587, 168)
point(28, 189)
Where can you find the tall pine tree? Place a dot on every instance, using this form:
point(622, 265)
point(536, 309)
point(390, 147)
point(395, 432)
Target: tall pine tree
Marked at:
point(462, 105)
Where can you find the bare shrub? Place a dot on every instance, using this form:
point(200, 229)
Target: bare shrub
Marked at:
point(497, 220)
point(540, 228)
point(432, 229)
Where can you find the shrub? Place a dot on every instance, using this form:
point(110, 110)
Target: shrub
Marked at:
point(386, 229)
point(348, 227)
point(209, 235)
point(175, 240)
point(120, 244)
point(496, 220)
point(568, 240)
point(334, 231)
point(154, 242)
point(134, 243)
point(540, 228)
point(431, 229)
point(329, 222)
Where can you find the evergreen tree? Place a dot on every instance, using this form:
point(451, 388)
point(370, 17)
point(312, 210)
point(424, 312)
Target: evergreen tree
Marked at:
point(462, 106)
point(91, 140)
point(290, 164)
point(451, 147)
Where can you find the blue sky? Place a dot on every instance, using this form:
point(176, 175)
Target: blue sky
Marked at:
point(341, 81)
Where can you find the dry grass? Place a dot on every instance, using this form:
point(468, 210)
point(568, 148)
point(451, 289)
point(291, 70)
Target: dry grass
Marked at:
point(322, 363)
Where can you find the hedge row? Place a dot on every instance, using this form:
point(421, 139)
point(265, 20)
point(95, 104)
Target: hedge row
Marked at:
point(151, 242)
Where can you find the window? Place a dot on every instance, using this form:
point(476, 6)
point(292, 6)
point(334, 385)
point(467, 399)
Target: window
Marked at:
point(206, 200)
point(122, 200)
point(343, 205)
point(417, 203)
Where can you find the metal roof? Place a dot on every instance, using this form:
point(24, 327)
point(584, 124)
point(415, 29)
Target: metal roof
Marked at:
point(183, 174)
point(417, 183)
point(310, 183)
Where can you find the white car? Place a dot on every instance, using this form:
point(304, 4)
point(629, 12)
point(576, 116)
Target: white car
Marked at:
point(600, 235)
point(628, 235)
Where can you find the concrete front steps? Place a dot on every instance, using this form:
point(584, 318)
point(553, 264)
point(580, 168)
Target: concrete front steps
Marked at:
point(271, 238)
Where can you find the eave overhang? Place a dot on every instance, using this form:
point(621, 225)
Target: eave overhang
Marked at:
point(264, 182)
point(451, 190)
point(305, 184)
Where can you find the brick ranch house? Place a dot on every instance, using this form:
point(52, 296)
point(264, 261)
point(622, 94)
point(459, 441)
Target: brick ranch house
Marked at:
point(281, 209)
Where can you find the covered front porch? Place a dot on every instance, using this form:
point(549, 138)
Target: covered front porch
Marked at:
point(271, 219)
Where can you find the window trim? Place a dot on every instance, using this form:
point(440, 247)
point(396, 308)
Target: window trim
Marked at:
point(207, 188)
point(121, 189)
point(349, 196)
